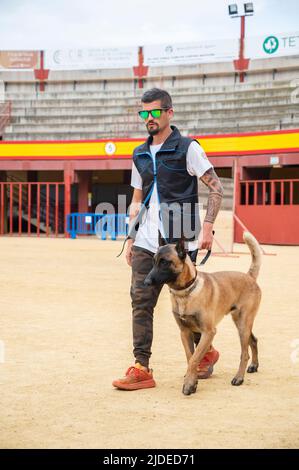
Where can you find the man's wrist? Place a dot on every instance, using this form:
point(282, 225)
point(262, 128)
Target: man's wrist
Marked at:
point(207, 226)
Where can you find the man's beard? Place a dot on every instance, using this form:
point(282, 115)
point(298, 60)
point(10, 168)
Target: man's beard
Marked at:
point(153, 130)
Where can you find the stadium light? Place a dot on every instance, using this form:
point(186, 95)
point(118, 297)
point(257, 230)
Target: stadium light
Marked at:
point(233, 9)
point(248, 8)
point(241, 64)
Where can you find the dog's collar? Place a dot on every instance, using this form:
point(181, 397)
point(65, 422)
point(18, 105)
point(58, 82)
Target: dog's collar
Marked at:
point(187, 289)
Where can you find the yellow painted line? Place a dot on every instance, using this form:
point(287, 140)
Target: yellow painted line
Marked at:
point(221, 144)
point(250, 143)
point(60, 149)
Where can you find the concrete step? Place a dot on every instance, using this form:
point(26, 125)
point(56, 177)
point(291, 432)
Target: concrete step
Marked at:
point(33, 221)
point(178, 90)
point(131, 112)
point(110, 134)
point(193, 125)
point(62, 101)
point(127, 111)
point(73, 118)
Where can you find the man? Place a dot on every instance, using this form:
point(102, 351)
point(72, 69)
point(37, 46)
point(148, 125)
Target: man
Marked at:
point(165, 170)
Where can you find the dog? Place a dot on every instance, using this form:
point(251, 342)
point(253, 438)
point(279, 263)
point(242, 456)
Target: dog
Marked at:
point(200, 301)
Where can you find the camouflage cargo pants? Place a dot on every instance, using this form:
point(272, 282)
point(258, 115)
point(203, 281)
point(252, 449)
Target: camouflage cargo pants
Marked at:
point(144, 299)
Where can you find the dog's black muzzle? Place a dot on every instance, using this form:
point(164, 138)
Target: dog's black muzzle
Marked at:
point(149, 280)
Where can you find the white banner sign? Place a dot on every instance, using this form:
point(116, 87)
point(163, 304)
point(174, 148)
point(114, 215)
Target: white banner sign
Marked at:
point(191, 53)
point(272, 45)
point(74, 59)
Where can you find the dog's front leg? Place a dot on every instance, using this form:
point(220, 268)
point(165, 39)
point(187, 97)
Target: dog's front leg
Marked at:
point(188, 342)
point(186, 336)
point(190, 382)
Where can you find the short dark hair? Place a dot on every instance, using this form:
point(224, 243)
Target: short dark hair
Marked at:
point(155, 94)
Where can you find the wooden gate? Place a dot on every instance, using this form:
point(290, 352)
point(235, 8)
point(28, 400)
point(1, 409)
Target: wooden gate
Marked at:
point(269, 209)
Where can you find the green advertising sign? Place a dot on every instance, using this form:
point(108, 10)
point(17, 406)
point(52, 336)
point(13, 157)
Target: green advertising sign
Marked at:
point(270, 44)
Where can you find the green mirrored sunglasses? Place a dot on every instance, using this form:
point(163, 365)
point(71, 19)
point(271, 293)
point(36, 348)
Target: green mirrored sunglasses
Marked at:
point(155, 113)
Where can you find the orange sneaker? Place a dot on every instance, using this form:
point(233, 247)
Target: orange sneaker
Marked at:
point(206, 366)
point(135, 379)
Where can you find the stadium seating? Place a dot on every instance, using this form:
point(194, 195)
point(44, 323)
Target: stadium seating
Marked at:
point(208, 99)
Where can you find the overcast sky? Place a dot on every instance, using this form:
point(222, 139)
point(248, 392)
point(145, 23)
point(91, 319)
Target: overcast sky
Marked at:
point(42, 24)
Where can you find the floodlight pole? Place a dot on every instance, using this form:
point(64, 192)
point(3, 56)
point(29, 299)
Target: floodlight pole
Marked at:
point(241, 64)
point(242, 43)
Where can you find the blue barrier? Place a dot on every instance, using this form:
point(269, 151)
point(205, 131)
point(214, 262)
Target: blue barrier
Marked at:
point(97, 224)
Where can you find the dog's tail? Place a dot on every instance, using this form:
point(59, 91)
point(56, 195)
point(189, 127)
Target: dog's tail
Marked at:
point(256, 254)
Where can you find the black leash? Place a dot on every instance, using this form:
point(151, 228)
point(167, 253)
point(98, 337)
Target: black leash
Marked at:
point(203, 261)
point(123, 247)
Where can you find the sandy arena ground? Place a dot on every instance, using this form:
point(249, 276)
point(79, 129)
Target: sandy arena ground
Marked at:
point(66, 328)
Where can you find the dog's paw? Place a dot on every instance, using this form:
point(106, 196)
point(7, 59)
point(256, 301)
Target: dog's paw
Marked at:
point(189, 387)
point(252, 368)
point(237, 381)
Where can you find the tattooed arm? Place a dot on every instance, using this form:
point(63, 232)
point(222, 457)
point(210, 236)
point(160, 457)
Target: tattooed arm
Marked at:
point(211, 180)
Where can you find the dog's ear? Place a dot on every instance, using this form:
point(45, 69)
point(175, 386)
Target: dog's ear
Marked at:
point(162, 241)
point(180, 248)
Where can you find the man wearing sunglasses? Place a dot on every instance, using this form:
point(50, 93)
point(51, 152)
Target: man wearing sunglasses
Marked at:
point(165, 170)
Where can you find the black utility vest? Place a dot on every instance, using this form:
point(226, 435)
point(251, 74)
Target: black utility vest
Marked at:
point(177, 190)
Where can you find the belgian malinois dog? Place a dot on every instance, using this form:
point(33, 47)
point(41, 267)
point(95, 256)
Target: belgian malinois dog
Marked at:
point(200, 301)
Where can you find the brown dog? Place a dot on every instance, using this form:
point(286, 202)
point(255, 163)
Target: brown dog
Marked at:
point(200, 301)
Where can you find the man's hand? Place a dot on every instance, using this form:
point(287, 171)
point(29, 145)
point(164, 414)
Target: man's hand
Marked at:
point(129, 251)
point(205, 239)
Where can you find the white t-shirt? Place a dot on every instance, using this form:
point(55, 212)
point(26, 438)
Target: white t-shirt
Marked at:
point(148, 231)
